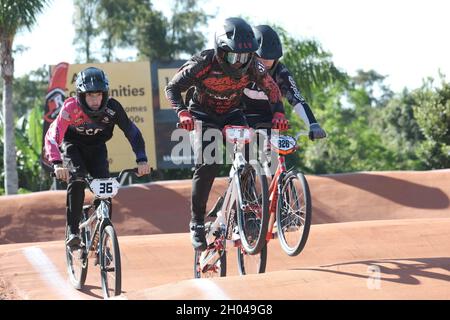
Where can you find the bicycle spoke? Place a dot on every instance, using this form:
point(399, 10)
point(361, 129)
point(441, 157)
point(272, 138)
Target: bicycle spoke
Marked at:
point(291, 214)
point(294, 213)
point(252, 202)
point(253, 216)
point(110, 263)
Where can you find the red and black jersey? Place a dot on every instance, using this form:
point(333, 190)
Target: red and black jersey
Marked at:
point(216, 91)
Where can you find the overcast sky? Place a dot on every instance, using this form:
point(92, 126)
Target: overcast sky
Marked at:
point(407, 40)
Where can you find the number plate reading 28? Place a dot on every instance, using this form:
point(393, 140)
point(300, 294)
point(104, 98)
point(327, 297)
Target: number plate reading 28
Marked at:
point(105, 188)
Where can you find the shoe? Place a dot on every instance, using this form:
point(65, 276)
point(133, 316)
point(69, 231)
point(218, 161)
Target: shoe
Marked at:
point(73, 240)
point(198, 238)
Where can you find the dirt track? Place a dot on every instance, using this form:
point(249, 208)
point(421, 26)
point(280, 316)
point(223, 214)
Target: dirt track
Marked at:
point(396, 223)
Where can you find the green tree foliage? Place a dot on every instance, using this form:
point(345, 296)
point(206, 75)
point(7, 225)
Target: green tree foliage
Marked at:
point(400, 131)
point(432, 111)
point(137, 24)
point(29, 145)
point(322, 84)
point(115, 19)
point(185, 33)
point(28, 99)
point(160, 38)
point(14, 15)
point(30, 90)
point(151, 34)
point(352, 144)
point(311, 66)
point(348, 108)
point(86, 28)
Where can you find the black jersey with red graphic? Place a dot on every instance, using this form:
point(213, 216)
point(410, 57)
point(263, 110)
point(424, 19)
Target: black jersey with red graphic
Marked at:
point(216, 91)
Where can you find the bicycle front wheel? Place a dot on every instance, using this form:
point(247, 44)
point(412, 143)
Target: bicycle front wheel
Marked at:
point(253, 212)
point(110, 267)
point(294, 213)
point(77, 264)
point(251, 264)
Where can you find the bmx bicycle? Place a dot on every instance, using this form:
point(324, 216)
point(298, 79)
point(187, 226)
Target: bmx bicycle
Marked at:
point(98, 238)
point(290, 205)
point(241, 213)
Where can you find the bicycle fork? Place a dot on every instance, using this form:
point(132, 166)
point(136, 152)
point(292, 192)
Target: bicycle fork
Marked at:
point(276, 186)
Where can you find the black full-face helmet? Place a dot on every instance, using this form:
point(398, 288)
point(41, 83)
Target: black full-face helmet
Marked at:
point(234, 45)
point(92, 80)
point(270, 47)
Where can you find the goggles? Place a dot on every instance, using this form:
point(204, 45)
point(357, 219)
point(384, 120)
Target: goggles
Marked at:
point(233, 57)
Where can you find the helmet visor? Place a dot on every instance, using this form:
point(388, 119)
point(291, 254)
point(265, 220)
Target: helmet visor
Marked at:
point(233, 57)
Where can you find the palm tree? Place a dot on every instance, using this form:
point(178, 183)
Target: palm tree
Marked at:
point(14, 15)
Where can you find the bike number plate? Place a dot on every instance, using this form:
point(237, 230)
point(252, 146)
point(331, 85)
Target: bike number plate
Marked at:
point(284, 144)
point(105, 188)
point(238, 134)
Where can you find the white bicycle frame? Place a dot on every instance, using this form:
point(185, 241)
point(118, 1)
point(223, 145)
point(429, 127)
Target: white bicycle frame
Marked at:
point(223, 222)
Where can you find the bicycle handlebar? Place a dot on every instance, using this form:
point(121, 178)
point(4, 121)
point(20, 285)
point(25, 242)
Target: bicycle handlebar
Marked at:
point(204, 124)
point(260, 125)
point(118, 178)
point(265, 125)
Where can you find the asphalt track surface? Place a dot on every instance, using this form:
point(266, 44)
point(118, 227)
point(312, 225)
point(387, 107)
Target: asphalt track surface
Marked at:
point(375, 235)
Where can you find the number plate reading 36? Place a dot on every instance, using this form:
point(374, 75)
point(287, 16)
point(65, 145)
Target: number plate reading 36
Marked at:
point(105, 188)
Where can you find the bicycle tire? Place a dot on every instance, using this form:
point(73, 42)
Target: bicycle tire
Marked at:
point(288, 222)
point(251, 264)
point(253, 224)
point(77, 264)
point(106, 259)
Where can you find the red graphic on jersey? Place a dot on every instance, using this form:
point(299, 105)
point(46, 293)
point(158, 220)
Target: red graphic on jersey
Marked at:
point(203, 72)
point(271, 89)
point(224, 84)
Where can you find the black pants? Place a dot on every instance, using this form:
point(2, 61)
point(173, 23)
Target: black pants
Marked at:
point(204, 173)
point(81, 160)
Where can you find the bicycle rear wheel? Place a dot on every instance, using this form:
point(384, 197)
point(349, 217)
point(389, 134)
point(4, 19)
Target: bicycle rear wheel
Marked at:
point(110, 267)
point(77, 263)
point(253, 213)
point(251, 264)
point(294, 213)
